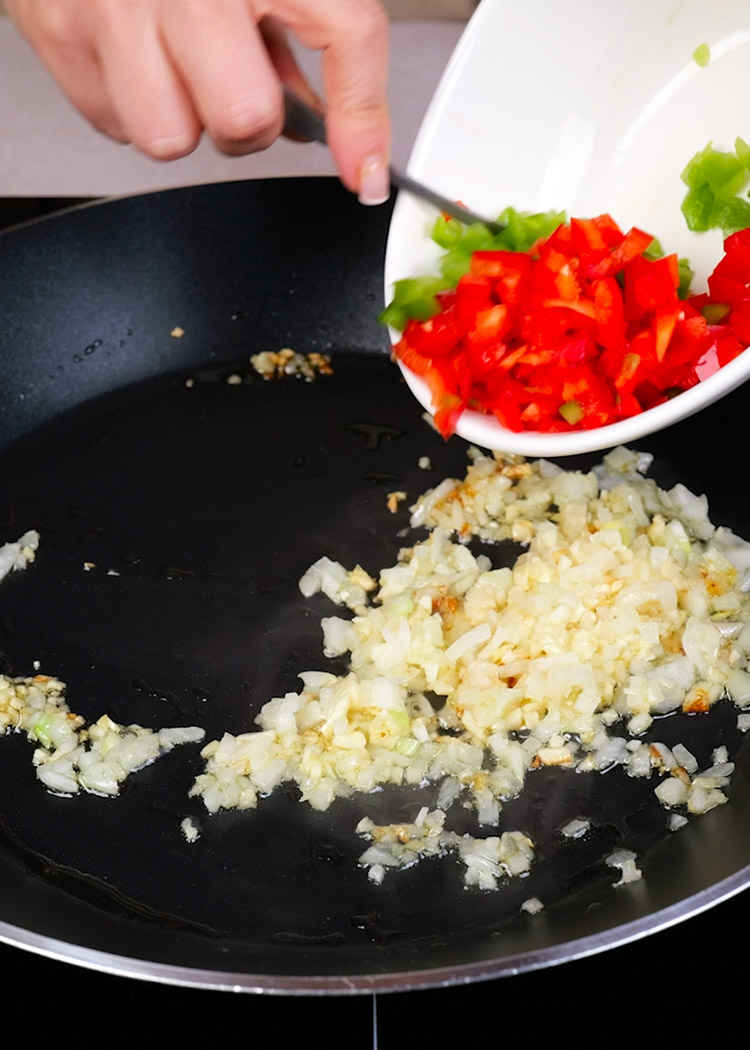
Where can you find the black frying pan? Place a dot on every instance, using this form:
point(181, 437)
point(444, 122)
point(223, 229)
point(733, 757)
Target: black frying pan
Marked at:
point(209, 501)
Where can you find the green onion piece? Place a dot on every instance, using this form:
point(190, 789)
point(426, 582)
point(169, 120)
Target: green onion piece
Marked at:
point(571, 412)
point(702, 55)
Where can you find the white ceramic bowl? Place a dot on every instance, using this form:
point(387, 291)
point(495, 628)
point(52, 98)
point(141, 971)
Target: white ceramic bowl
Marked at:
point(590, 106)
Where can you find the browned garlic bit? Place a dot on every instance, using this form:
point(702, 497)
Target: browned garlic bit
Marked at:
point(272, 364)
point(393, 499)
point(487, 860)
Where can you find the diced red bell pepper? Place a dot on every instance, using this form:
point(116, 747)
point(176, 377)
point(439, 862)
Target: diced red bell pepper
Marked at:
point(608, 310)
point(434, 338)
point(490, 325)
point(664, 322)
point(649, 284)
point(610, 232)
point(632, 245)
point(737, 241)
point(587, 237)
point(739, 321)
point(727, 348)
point(578, 332)
point(448, 413)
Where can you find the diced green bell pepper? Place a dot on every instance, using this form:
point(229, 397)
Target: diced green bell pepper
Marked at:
point(413, 297)
point(571, 412)
point(702, 55)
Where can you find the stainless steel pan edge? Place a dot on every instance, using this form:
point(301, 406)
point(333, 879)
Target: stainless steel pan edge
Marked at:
point(358, 984)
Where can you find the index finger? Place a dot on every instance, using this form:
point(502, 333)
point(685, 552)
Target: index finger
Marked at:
point(353, 38)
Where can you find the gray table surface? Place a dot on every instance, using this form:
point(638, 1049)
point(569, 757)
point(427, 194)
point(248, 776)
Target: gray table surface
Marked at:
point(48, 150)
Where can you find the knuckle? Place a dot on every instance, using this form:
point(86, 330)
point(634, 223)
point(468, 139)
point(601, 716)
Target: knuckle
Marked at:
point(59, 22)
point(120, 8)
point(247, 121)
point(64, 24)
point(361, 89)
point(359, 108)
point(369, 20)
point(365, 111)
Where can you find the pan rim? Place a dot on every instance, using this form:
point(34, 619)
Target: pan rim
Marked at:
point(368, 984)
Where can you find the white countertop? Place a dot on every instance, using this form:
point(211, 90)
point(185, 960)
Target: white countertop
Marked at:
point(48, 150)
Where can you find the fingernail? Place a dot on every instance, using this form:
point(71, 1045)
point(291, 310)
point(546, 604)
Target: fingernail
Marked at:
point(374, 181)
point(170, 148)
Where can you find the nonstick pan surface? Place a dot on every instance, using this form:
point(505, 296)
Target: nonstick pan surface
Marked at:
point(197, 506)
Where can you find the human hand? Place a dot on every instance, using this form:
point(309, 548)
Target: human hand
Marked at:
point(158, 72)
